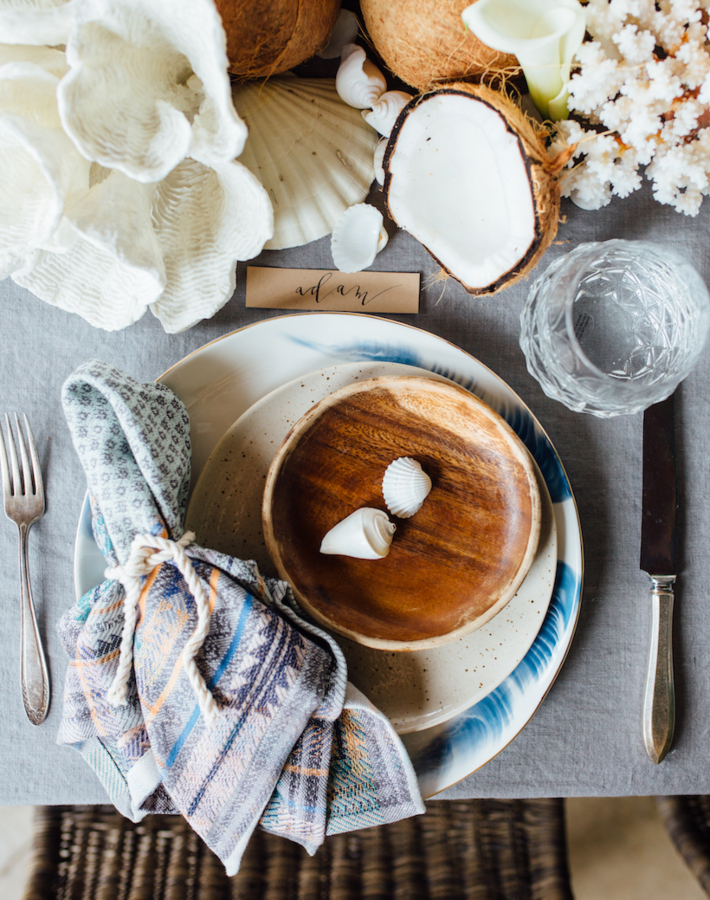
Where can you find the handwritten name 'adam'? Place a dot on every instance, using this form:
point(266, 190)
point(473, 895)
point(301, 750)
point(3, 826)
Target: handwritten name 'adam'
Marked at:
point(322, 289)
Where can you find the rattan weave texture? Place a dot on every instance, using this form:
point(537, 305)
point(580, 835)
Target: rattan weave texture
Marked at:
point(687, 820)
point(459, 850)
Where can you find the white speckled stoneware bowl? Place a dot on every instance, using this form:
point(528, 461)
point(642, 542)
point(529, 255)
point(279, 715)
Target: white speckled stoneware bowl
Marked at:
point(221, 380)
point(417, 689)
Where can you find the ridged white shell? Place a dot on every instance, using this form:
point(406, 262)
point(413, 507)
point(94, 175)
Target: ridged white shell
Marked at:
point(405, 487)
point(364, 534)
point(358, 236)
point(312, 153)
point(384, 113)
point(359, 82)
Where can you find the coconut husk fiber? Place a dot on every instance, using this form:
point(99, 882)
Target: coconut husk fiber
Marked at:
point(425, 43)
point(542, 172)
point(267, 37)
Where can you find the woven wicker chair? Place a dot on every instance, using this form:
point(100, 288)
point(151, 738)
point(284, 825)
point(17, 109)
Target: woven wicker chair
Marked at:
point(459, 850)
point(687, 820)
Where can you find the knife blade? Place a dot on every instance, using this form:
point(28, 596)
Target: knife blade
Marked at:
point(659, 541)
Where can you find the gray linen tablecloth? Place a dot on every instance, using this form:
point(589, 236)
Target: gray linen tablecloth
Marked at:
point(586, 737)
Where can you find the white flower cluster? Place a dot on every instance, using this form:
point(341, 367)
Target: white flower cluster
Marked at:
point(643, 82)
point(118, 137)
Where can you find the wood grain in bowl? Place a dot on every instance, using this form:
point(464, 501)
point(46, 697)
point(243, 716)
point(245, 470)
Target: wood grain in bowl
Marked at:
point(452, 565)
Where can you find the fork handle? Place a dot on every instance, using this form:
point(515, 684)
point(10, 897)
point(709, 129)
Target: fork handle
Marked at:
point(35, 678)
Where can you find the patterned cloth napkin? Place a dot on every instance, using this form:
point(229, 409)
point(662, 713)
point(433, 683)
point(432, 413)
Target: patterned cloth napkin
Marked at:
point(194, 684)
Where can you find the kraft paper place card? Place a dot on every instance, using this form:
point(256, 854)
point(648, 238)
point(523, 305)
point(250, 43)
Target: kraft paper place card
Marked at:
point(329, 289)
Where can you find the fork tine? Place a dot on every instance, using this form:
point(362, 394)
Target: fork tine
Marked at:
point(27, 486)
point(6, 487)
point(36, 469)
point(14, 467)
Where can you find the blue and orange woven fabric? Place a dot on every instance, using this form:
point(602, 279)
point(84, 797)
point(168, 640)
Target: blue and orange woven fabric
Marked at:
point(289, 745)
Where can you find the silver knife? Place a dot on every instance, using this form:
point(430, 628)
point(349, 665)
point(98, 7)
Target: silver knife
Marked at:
point(658, 559)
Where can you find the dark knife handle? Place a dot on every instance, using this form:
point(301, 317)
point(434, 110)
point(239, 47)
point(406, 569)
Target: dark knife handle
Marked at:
point(659, 700)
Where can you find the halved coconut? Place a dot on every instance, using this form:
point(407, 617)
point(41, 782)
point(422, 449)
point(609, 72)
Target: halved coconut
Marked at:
point(467, 174)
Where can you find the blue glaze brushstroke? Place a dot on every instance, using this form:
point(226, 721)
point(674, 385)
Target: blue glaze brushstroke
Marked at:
point(541, 451)
point(485, 722)
point(391, 353)
point(520, 420)
point(471, 732)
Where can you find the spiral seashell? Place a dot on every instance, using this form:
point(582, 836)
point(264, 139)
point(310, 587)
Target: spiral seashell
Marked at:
point(358, 236)
point(359, 82)
point(364, 534)
point(385, 110)
point(405, 487)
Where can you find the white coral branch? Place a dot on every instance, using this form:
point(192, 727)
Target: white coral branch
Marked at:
point(645, 75)
point(122, 190)
point(206, 220)
point(37, 21)
point(148, 86)
point(43, 170)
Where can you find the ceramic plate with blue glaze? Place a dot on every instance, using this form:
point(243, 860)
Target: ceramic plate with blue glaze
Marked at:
point(222, 380)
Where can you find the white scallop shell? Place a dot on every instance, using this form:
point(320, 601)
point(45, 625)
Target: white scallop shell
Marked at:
point(384, 112)
point(359, 82)
point(405, 487)
point(364, 534)
point(358, 236)
point(312, 153)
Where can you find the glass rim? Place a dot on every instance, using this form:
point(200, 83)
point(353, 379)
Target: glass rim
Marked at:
point(582, 260)
point(569, 304)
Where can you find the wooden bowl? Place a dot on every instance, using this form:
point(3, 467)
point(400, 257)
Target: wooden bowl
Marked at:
point(455, 563)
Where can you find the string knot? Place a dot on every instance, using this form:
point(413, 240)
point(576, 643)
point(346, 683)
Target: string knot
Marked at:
point(147, 552)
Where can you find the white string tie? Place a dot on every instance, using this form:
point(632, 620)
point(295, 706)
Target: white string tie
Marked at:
point(147, 552)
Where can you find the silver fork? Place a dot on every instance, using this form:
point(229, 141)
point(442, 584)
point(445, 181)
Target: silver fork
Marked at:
point(24, 504)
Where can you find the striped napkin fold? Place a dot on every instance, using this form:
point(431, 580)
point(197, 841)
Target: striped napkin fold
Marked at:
point(195, 685)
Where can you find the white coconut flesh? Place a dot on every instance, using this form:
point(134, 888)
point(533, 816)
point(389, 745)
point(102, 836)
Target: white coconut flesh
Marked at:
point(457, 180)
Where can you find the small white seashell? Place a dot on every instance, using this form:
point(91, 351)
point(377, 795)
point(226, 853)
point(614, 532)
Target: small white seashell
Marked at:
point(359, 82)
point(384, 112)
point(364, 534)
point(405, 487)
point(348, 50)
point(358, 236)
point(378, 159)
point(344, 32)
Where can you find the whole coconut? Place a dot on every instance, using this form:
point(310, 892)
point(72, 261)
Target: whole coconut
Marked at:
point(267, 37)
point(425, 42)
